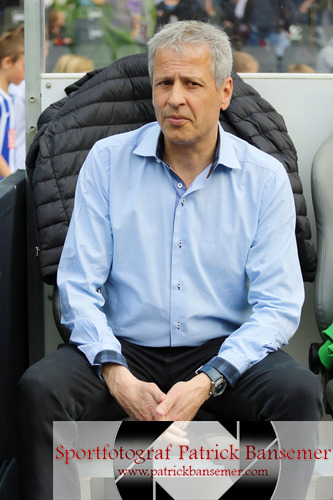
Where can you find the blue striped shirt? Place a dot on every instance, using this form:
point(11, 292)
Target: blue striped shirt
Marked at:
point(7, 129)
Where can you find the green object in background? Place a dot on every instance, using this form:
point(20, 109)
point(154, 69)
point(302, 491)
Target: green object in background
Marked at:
point(326, 350)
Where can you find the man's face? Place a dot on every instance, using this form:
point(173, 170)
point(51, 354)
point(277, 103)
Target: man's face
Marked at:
point(186, 102)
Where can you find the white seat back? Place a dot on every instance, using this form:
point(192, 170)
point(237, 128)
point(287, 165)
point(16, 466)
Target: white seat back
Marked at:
point(322, 196)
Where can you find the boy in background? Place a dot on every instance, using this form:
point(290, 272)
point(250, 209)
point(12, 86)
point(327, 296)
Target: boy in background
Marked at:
point(11, 71)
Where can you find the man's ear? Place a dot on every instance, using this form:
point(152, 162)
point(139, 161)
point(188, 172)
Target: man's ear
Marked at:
point(226, 93)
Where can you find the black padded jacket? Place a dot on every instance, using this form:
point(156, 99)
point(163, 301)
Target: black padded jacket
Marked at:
point(117, 99)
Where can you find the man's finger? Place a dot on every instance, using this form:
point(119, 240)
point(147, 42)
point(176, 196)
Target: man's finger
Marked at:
point(163, 408)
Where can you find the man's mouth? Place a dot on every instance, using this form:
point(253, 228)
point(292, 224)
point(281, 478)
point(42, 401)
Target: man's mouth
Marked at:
point(176, 120)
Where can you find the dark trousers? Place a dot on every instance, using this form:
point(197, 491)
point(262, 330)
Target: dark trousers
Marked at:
point(64, 387)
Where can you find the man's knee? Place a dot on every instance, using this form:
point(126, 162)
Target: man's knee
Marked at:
point(305, 387)
point(49, 378)
point(33, 389)
point(299, 395)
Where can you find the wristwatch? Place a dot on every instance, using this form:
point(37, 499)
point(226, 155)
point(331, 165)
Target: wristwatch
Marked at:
point(219, 382)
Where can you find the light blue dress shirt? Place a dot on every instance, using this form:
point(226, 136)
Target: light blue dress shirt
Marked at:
point(150, 262)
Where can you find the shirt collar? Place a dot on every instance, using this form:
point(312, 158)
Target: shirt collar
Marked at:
point(152, 145)
point(149, 141)
point(225, 154)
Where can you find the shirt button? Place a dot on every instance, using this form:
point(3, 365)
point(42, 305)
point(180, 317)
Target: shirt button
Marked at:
point(179, 285)
point(183, 201)
point(180, 243)
point(178, 325)
point(180, 185)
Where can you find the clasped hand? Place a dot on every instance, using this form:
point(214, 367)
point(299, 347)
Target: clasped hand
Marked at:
point(145, 401)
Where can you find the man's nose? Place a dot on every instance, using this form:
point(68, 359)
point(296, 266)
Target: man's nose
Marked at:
point(177, 95)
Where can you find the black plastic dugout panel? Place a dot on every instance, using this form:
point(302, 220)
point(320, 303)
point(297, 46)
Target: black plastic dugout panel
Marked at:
point(13, 306)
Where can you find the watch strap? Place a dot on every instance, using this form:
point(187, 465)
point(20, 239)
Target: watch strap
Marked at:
point(216, 377)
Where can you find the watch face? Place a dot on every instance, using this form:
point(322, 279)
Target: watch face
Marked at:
point(219, 386)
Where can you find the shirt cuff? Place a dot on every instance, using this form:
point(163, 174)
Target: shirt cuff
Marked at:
point(108, 356)
point(227, 369)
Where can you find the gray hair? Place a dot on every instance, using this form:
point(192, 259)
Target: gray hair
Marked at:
point(175, 35)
